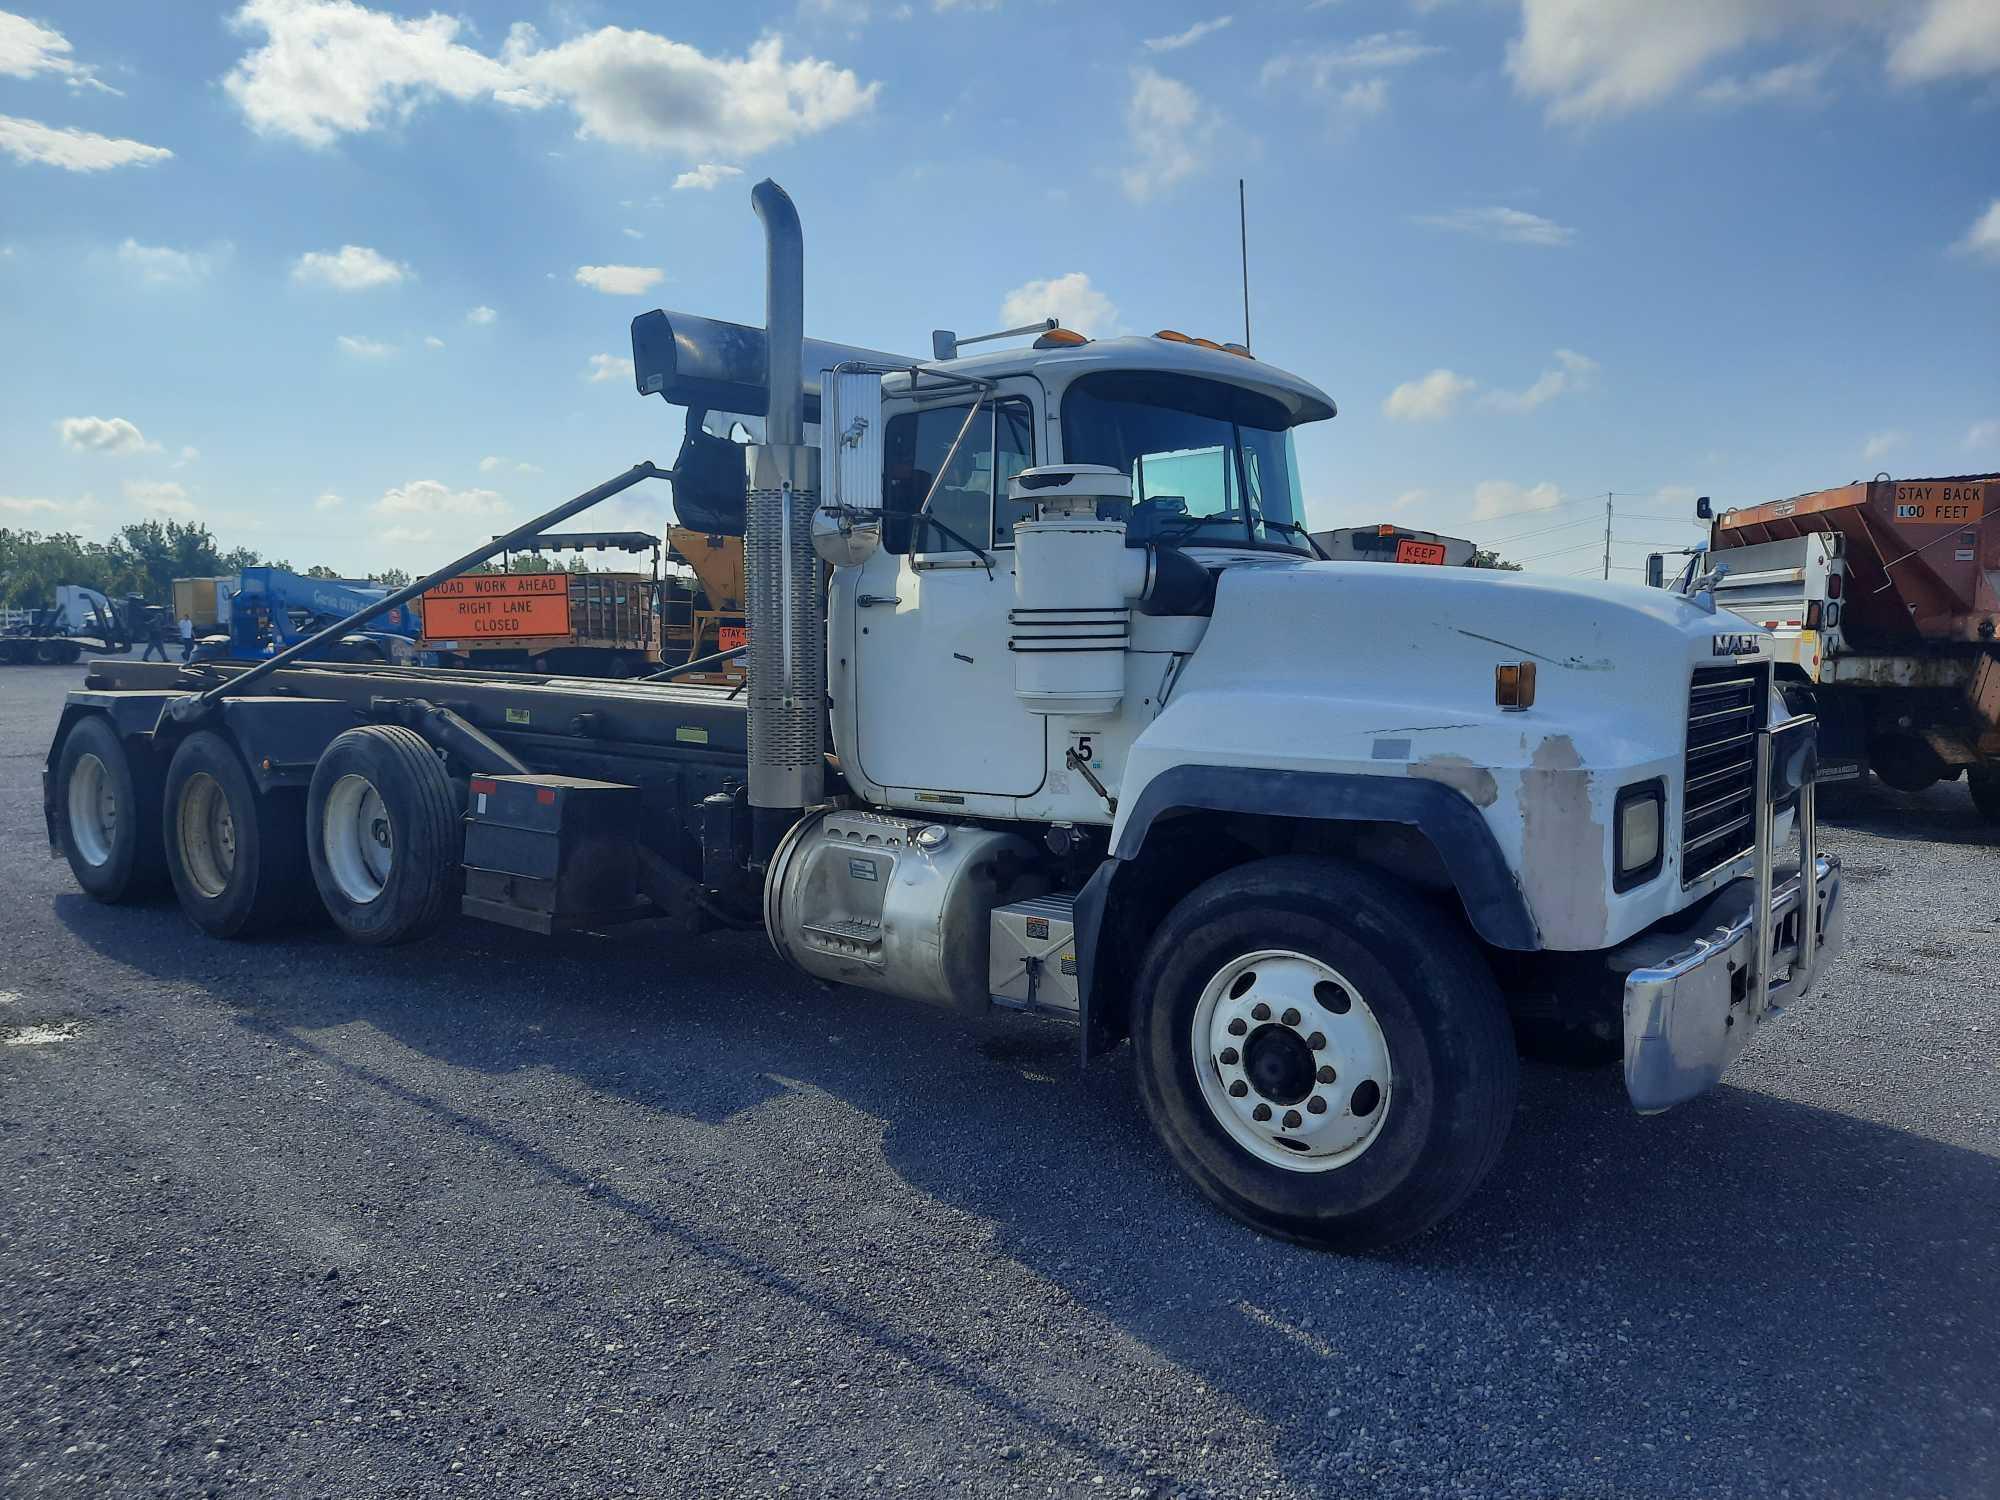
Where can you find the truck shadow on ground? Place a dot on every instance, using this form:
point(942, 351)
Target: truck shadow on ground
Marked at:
point(1716, 1271)
point(1942, 814)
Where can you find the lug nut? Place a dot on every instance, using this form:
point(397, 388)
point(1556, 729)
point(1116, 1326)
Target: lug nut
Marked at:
point(1237, 1028)
point(1238, 1089)
point(1316, 1104)
point(1292, 1119)
point(1317, 1040)
point(1325, 1075)
point(1260, 1011)
point(1261, 1112)
point(1228, 1057)
point(1290, 1018)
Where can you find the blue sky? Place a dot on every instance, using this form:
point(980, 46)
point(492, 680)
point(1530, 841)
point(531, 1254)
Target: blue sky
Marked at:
point(336, 277)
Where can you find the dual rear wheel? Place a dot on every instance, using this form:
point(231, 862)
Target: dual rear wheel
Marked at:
point(371, 844)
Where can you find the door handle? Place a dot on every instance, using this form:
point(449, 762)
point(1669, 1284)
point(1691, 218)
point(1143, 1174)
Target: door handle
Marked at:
point(869, 601)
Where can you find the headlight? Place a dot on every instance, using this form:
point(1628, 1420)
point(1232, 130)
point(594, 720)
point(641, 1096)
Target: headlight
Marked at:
point(1637, 842)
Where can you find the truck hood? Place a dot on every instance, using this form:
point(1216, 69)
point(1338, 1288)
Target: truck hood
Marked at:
point(1612, 660)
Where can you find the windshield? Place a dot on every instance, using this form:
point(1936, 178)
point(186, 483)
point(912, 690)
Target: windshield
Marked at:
point(1210, 464)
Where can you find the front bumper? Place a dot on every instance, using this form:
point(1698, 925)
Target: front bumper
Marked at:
point(1693, 1001)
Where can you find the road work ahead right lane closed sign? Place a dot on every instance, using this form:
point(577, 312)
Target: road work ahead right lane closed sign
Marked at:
point(497, 604)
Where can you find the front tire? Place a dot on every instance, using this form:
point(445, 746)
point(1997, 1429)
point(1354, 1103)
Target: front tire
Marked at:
point(108, 814)
point(382, 834)
point(1324, 1057)
point(237, 857)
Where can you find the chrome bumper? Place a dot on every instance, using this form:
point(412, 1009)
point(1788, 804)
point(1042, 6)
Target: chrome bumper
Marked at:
point(1687, 1016)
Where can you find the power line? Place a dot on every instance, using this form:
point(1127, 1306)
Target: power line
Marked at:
point(1560, 551)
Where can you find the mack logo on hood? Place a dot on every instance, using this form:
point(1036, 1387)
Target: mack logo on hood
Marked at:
point(1736, 643)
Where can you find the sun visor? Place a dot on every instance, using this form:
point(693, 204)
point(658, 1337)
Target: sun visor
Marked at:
point(706, 364)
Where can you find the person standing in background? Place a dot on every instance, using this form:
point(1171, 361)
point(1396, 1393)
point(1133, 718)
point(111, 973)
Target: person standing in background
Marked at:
point(156, 637)
point(187, 636)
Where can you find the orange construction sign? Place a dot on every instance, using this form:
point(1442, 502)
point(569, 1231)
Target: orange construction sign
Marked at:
point(491, 605)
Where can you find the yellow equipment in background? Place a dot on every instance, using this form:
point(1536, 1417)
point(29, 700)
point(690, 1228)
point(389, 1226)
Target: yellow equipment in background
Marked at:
point(714, 609)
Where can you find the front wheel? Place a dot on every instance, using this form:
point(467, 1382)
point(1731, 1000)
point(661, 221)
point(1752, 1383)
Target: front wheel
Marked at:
point(1326, 1059)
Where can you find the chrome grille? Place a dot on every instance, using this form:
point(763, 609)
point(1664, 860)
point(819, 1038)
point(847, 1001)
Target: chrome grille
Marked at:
point(1726, 707)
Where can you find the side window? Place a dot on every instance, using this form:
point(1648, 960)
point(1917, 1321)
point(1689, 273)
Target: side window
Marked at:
point(1014, 447)
point(972, 487)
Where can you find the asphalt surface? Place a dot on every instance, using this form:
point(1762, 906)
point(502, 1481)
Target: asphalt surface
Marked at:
point(595, 1216)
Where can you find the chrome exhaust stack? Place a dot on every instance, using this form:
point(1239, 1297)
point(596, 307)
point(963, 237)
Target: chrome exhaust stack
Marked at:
point(785, 604)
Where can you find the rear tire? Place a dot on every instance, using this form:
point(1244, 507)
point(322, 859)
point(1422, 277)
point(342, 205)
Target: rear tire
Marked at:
point(1388, 1123)
point(237, 856)
point(1985, 787)
point(383, 837)
point(108, 814)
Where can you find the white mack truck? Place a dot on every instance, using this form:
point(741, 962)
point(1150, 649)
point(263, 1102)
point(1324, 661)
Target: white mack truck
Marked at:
point(1052, 706)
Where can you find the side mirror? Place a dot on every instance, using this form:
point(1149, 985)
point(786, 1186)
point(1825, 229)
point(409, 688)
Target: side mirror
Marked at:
point(1703, 511)
point(847, 527)
point(1656, 570)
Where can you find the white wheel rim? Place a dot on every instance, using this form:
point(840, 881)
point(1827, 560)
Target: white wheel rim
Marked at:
point(359, 839)
point(93, 810)
point(1288, 1102)
point(207, 834)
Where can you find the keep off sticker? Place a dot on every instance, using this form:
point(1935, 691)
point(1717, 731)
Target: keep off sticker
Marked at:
point(1939, 504)
point(498, 605)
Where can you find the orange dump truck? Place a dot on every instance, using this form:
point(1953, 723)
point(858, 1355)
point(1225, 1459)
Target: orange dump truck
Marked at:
point(1885, 597)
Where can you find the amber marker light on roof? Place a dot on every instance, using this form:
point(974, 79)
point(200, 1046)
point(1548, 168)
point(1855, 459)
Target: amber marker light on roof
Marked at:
point(1060, 338)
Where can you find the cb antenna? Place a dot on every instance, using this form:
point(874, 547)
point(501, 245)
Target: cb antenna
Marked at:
point(1243, 234)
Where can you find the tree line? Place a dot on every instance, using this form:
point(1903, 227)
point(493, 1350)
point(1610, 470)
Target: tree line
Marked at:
point(145, 557)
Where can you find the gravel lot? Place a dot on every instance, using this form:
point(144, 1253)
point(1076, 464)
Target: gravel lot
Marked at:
point(502, 1215)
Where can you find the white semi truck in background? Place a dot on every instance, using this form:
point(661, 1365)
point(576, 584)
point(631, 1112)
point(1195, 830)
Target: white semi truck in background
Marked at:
point(1052, 707)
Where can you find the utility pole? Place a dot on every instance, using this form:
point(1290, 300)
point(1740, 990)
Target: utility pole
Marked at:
point(1607, 536)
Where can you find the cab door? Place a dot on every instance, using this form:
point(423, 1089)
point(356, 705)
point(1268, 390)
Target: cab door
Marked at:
point(935, 708)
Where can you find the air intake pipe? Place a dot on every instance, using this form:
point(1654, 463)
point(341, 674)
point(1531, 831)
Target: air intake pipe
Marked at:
point(785, 608)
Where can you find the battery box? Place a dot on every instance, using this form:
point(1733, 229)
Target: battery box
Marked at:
point(552, 853)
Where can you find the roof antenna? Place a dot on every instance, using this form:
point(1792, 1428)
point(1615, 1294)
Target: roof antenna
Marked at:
point(1243, 233)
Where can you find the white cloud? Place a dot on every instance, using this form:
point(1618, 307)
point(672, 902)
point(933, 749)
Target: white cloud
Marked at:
point(704, 177)
point(1793, 82)
point(1983, 238)
point(162, 497)
point(1511, 226)
point(40, 505)
point(1880, 443)
point(1070, 299)
point(1953, 37)
point(406, 535)
point(432, 341)
point(1572, 372)
point(1369, 96)
point(188, 455)
point(609, 367)
point(1170, 131)
point(103, 435)
point(481, 315)
point(28, 47)
point(161, 265)
point(619, 281)
point(1590, 59)
point(633, 234)
point(1409, 499)
point(1984, 434)
point(1322, 67)
point(1494, 498)
point(1428, 399)
point(328, 500)
point(351, 268)
point(1188, 38)
point(493, 463)
point(72, 150)
point(364, 348)
point(426, 497)
point(327, 68)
